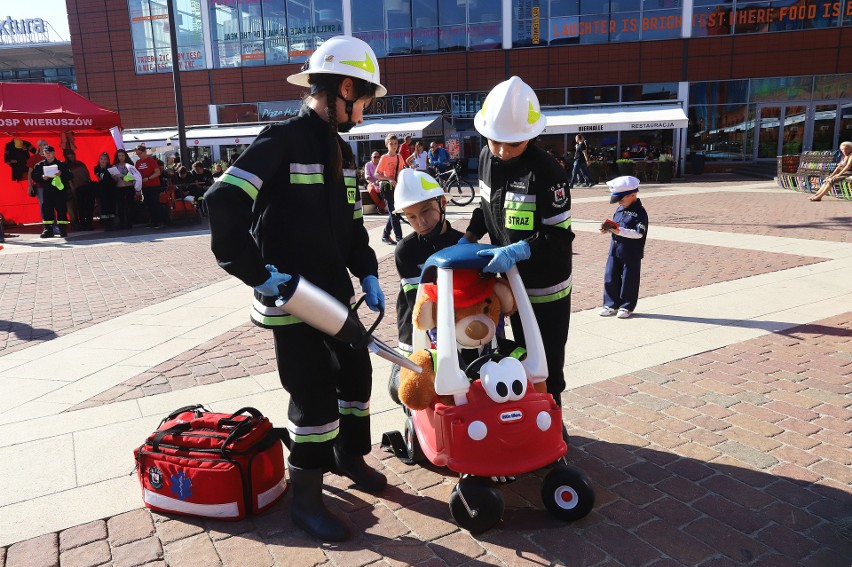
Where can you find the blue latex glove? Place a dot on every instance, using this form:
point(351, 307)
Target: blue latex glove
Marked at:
point(464, 240)
point(375, 298)
point(269, 288)
point(505, 257)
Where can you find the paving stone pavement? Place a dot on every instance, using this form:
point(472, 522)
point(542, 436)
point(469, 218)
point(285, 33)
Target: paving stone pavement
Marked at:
point(740, 455)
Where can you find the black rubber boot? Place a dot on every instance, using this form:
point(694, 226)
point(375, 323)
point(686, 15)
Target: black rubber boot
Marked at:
point(354, 468)
point(308, 509)
point(47, 232)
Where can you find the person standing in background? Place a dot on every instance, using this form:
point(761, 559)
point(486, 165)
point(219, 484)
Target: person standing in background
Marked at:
point(150, 171)
point(387, 173)
point(405, 148)
point(581, 175)
point(54, 178)
point(15, 155)
point(624, 263)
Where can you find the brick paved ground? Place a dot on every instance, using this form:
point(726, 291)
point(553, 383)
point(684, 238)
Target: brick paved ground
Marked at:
point(49, 293)
point(738, 456)
point(248, 350)
point(782, 213)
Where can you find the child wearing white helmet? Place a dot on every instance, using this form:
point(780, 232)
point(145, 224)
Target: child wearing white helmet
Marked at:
point(423, 202)
point(289, 205)
point(526, 210)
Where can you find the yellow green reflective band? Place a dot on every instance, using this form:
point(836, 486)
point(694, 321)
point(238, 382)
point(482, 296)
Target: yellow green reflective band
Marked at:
point(358, 214)
point(551, 297)
point(349, 182)
point(306, 178)
point(354, 411)
point(519, 220)
point(250, 189)
point(564, 224)
point(314, 438)
point(47, 222)
point(63, 222)
point(350, 195)
point(520, 206)
point(275, 320)
point(518, 353)
point(408, 287)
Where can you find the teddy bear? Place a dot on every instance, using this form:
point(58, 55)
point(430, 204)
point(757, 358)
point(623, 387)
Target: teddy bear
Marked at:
point(480, 301)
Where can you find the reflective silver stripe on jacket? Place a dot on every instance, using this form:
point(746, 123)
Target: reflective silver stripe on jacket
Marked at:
point(484, 191)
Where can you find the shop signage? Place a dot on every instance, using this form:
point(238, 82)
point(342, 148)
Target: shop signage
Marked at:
point(27, 26)
point(591, 128)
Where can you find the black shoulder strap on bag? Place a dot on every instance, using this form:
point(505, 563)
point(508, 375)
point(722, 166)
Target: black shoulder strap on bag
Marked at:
point(174, 430)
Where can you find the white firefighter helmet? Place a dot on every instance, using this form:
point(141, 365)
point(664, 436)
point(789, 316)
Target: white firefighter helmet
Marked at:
point(342, 55)
point(414, 187)
point(511, 113)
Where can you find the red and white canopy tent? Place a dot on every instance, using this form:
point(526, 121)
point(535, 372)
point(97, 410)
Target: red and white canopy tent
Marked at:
point(42, 111)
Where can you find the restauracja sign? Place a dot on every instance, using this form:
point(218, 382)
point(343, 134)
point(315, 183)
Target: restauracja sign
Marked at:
point(22, 27)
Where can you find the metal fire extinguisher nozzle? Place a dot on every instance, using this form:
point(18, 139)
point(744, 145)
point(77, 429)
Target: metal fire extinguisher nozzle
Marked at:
point(322, 311)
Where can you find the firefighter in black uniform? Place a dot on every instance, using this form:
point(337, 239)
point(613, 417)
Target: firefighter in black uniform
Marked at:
point(54, 206)
point(526, 210)
point(624, 263)
point(290, 203)
point(424, 204)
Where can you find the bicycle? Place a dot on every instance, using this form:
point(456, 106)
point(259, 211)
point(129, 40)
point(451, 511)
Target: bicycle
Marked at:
point(460, 190)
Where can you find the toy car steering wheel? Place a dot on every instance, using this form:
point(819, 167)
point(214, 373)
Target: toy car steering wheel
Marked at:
point(472, 369)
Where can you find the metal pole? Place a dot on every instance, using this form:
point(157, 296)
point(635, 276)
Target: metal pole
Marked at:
point(181, 126)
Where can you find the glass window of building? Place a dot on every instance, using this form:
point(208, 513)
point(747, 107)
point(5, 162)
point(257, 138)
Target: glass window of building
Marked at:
point(593, 95)
point(649, 91)
point(149, 28)
point(402, 27)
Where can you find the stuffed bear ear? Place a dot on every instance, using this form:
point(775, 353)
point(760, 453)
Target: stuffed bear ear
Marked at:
point(424, 314)
point(504, 293)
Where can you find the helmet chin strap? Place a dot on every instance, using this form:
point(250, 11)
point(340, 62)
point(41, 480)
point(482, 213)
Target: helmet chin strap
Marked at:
point(349, 124)
point(439, 226)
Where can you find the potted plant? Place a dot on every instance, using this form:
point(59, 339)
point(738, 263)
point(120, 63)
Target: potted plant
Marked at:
point(598, 170)
point(625, 166)
point(665, 169)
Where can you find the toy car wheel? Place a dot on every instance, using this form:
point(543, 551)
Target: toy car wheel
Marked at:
point(484, 501)
point(412, 444)
point(567, 494)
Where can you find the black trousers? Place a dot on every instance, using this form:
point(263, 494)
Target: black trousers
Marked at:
point(86, 203)
point(553, 320)
point(393, 218)
point(125, 202)
point(55, 203)
point(151, 199)
point(329, 383)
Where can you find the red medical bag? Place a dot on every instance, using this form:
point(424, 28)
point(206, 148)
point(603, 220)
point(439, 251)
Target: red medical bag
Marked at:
point(213, 465)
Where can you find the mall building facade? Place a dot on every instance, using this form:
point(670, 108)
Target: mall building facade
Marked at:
point(752, 79)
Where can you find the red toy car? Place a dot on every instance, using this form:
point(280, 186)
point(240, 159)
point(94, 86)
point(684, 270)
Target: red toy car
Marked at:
point(500, 426)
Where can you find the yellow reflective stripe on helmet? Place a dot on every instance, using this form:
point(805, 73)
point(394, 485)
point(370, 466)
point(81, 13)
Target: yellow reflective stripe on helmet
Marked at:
point(428, 185)
point(519, 220)
point(246, 186)
point(532, 115)
point(367, 64)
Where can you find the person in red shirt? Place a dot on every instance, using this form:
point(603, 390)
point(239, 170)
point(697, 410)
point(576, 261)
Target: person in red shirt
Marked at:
point(151, 186)
point(405, 149)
